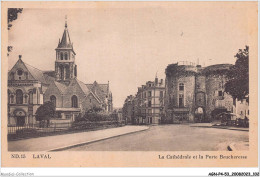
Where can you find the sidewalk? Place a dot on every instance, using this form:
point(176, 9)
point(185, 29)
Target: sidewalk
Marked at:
point(209, 125)
point(239, 146)
point(232, 128)
point(62, 142)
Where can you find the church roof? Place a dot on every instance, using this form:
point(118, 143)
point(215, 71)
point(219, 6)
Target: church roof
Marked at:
point(62, 88)
point(86, 90)
point(100, 90)
point(39, 74)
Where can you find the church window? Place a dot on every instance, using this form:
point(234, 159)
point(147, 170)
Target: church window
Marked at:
point(75, 71)
point(61, 56)
point(25, 98)
point(30, 97)
point(74, 101)
point(90, 100)
point(61, 72)
point(19, 96)
point(67, 72)
point(19, 72)
point(53, 100)
point(12, 99)
point(66, 56)
point(181, 87)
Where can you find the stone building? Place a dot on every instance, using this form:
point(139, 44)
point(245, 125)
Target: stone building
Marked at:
point(128, 109)
point(194, 93)
point(29, 87)
point(147, 105)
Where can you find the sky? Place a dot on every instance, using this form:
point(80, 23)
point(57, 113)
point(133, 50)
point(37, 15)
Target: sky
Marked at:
point(127, 46)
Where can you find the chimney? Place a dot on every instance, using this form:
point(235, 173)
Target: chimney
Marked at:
point(156, 81)
point(20, 57)
point(161, 83)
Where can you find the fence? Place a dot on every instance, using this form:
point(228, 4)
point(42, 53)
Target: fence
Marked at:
point(37, 130)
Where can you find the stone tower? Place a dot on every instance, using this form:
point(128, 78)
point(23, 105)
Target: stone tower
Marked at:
point(65, 67)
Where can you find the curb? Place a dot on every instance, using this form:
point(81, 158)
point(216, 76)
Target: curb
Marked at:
point(230, 128)
point(94, 141)
point(231, 147)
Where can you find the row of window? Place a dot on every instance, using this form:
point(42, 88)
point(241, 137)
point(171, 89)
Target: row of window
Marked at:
point(20, 98)
point(150, 94)
point(74, 101)
point(65, 56)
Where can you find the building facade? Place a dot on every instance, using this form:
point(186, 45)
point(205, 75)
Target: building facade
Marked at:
point(128, 109)
point(29, 87)
point(194, 93)
point(146, 107)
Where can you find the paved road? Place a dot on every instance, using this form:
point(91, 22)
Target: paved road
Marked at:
point(171, 138)
point(58, 142)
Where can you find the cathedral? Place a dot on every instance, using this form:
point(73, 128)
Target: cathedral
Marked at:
point(29, 88)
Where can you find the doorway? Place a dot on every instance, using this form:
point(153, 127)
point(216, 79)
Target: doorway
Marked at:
point(20, 120)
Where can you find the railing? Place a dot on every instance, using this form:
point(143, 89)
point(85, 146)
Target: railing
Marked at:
point(39, 129)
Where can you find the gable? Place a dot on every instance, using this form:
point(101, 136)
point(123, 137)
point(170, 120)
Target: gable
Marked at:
point(99, 90)
point(75, 87)
point(19, 66)
point(23, 71)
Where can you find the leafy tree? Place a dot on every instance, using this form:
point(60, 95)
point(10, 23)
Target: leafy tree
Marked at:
point(12, 15)
point(238, 76)
point(45, 112)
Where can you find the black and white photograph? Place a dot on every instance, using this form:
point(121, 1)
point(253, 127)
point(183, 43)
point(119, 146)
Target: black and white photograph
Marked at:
point(130, 77)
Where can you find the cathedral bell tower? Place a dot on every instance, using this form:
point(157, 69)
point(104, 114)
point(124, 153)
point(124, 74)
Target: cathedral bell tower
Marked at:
point(65, 67)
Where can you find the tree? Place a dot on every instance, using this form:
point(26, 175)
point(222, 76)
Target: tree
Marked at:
point(238, 76)
point(12, 14)
point(45, 112)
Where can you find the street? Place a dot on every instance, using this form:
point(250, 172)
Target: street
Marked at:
point(172, 138)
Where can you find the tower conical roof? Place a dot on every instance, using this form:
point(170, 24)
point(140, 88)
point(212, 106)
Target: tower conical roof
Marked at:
point(65, 40)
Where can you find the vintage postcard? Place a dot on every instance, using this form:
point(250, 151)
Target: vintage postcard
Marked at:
point(129, 84)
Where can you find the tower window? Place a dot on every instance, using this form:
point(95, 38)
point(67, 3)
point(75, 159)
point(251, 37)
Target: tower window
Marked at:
point(75, 71)
point(181, 100)
point(181, 86)
point(220, 93)
point(61, 56)
point(67, 72)
point(61, 72)
point(66, 56)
